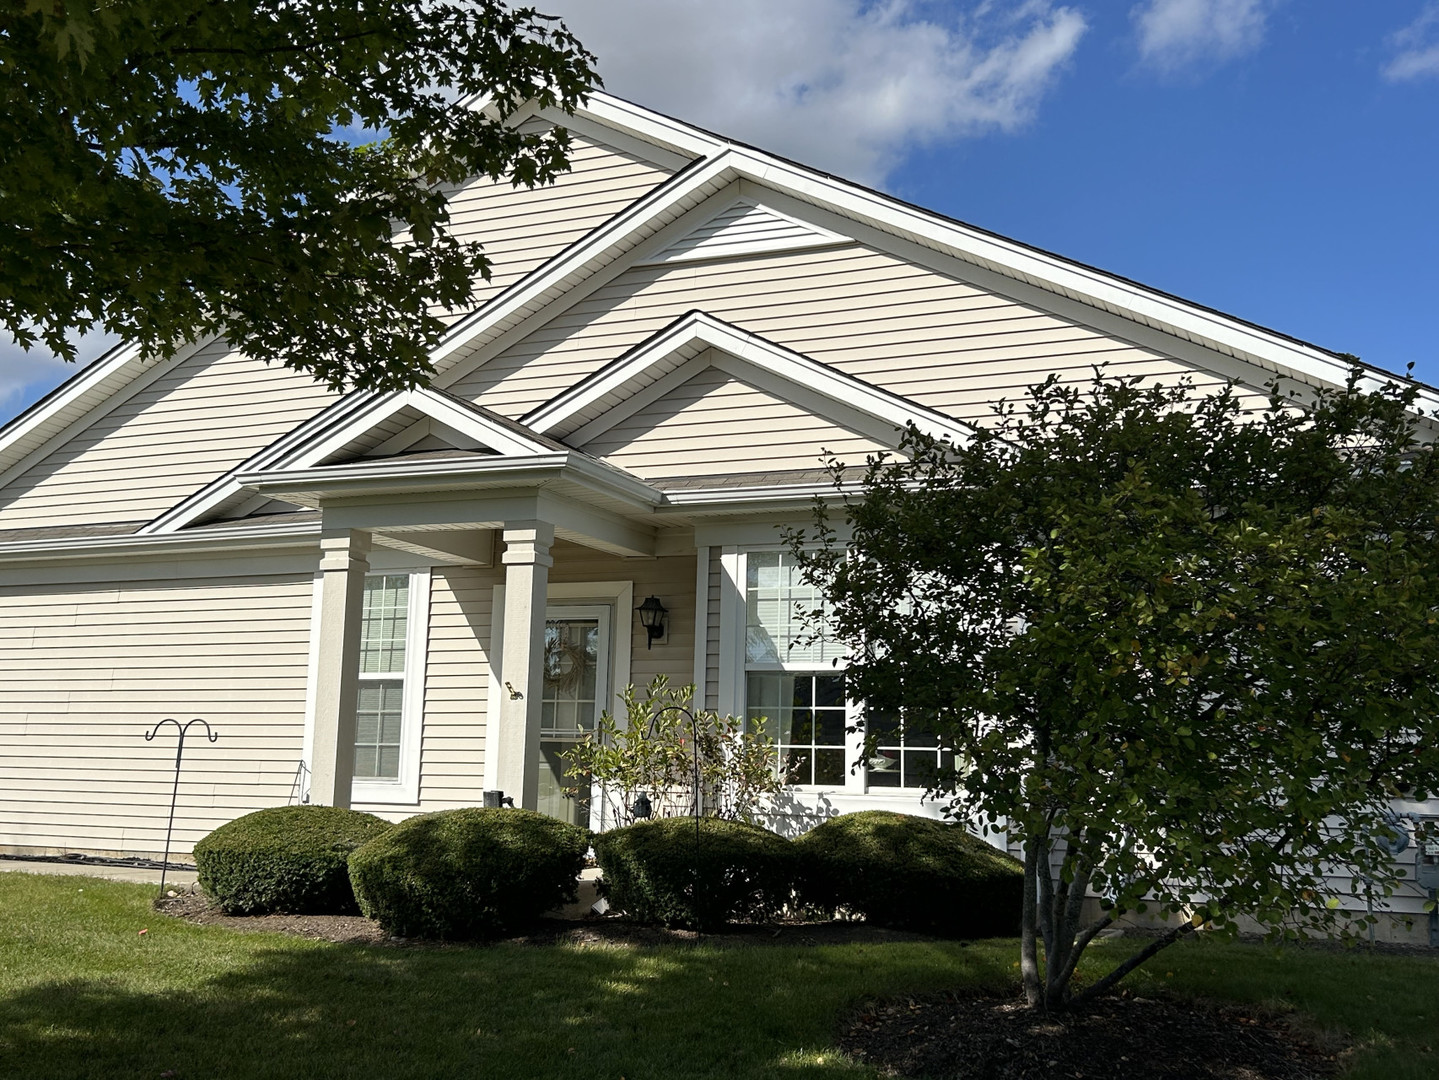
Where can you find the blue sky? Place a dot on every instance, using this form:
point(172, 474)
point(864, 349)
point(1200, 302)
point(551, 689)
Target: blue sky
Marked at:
point(1275, 159)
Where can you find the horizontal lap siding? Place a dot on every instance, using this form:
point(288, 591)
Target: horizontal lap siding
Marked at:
point(716, 424)
point(84, 673)
point(671, 578)
point(519, 228)
point(176, 435)
point(914, 332)
point(452, 752)
point(218, 408)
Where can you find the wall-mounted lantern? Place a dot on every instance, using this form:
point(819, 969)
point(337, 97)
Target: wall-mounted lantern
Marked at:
point(652, 618)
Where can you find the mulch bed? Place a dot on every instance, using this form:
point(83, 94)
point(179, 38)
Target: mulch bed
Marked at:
point(965, 1037)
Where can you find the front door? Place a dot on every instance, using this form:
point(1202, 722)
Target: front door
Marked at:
point(576, 686)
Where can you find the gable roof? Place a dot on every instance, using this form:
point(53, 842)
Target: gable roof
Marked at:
point(335, 430)
point(991, 261)
point(725, 172)
point(698, 340)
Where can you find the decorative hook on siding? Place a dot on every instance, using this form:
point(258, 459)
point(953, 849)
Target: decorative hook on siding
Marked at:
point(175, 791)
point(515, 695)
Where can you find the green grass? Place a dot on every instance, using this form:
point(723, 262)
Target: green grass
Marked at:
point(84, 994)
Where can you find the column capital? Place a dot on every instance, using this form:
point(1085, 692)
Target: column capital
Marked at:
point(345, 549)
point(528, 543)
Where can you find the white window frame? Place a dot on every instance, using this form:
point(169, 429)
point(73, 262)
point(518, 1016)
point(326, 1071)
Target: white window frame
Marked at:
point(404, 790)
point(734, 670)
point(734, 673)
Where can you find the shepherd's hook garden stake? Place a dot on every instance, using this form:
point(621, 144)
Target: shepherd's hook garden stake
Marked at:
point(175, 791)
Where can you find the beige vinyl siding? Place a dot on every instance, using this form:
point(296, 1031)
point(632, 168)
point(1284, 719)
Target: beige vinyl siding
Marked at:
point(522, 227)
point(452, 753)
point(907, 329)
point(179, 433)
point(452, 750)
point(671, 578)
point(715, 424)
point(217, 408)
point(85, 672)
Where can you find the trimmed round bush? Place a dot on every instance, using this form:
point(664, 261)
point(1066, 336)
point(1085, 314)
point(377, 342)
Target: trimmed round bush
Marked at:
point(668, 872)
point(472, 873)
point(286, 858)
point(910, 873)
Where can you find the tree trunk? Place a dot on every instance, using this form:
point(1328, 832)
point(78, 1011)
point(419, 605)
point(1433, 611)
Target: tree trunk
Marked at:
point(1034, 851)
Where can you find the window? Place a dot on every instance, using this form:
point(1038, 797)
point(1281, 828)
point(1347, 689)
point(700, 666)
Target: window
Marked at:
point(790, 679)
point(904, 755)
point(380, 706)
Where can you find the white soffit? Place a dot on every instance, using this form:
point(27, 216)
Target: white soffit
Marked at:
point(744, 227)
point(698, 340)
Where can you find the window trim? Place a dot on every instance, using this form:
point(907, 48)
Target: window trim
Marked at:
point(404, 790)
point(734, 672)
point(619, 596)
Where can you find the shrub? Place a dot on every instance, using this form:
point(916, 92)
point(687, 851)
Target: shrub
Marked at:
point(286, 858)
point(910, 873)
point(668, 871)
point(468, 873)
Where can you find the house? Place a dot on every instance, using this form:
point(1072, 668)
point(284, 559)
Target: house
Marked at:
point(356, 591)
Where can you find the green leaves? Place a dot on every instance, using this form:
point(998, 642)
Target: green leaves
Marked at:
point(1188, 641)
point(171, 170)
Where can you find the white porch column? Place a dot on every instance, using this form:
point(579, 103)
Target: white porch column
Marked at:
point(515, 738)
point(344, 560)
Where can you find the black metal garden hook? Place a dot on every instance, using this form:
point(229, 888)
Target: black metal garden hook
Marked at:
point(175, 791)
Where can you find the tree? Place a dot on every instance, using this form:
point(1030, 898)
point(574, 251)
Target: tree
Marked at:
point(172, 169)
point(1184, 652)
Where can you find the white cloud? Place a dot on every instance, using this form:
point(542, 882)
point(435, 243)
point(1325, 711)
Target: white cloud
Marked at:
point(1179, 35)
point(1416, 47)
point(845, 85)
point(27, 376)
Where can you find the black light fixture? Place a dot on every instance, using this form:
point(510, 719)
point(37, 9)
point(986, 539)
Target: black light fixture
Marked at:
point(652, 618)
point(642, 808)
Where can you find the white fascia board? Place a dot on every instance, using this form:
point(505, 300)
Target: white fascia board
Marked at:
point(435, 406)
point(701, 329)
point(625, 117)
point(39, 418)
point(245, 537)
point(663, 131)
point(416, 477)
point(310, 443)
point(758, 496)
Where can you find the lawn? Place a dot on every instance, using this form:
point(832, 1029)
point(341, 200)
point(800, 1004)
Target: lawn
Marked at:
point(84, 994)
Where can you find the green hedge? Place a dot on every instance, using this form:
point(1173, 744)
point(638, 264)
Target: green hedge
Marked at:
point(468, 873)
point(910, 873)
point(287, 858)
point(666, 871)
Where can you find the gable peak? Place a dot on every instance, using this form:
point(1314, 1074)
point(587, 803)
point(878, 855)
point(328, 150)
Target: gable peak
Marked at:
point(744, 226)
